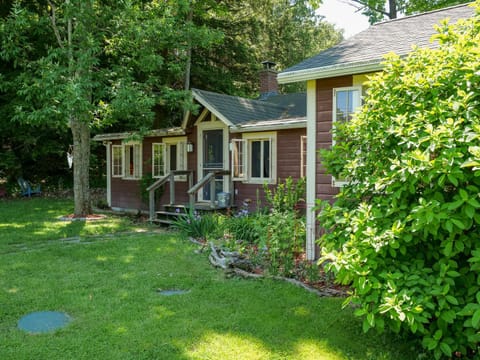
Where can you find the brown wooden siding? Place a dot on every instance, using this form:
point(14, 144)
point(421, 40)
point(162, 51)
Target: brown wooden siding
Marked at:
point(126, 194)
point(324, 115)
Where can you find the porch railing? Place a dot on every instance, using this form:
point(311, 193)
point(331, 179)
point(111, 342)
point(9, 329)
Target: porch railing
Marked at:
point(161, 181)
point(209, 179)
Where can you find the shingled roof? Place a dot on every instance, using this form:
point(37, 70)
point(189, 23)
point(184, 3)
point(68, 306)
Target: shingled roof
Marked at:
point(237, 111)
point(364, 52)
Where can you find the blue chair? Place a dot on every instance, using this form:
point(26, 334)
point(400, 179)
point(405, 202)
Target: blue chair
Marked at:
point(26, 189)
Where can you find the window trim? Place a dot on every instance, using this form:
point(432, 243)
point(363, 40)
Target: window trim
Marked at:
point(121, 165)
point(342, 182)
point(247, 140)
point(137, 154)
point(163, 147)
point(181, 157)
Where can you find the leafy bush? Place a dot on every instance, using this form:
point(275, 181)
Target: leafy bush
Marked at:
point(196, 225)
point(285, 196)
point(282, 234)
point(275, 235)
point(404, 233)
point(242, 228)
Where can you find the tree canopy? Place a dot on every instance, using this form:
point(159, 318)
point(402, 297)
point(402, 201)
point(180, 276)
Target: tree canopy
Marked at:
point(101, 65)
point(403, 232)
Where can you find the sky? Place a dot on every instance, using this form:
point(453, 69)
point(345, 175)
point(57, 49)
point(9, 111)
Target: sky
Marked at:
point(344, 16)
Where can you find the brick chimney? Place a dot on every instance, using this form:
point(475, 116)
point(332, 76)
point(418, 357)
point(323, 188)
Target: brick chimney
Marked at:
point(268, 80)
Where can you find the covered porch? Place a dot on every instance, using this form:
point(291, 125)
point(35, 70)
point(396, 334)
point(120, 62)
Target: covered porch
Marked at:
point(211, 186)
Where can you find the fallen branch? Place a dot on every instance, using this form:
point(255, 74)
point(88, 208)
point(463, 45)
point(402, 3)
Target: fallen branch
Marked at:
point(228, 261)
point(215, 258)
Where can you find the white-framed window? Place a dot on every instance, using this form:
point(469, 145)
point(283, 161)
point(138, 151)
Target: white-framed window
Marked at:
point(346, 101)
point(117, 161)
point(159, 160)
point(132, 161)
point(238, 159)
point(254, 158)
point(169, 155)
point(127, 161)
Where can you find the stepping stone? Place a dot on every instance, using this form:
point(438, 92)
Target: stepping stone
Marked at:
point(171, 292)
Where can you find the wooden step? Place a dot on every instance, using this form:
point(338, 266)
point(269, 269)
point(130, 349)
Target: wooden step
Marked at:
point(167, 217)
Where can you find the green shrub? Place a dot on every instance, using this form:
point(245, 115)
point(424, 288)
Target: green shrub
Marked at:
point(197, 226)
point(282, 235)
point(404, 233)
point(242, 228)
point(285, 196)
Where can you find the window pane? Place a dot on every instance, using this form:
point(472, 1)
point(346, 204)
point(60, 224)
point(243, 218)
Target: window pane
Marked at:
point(237, 158)
point(117, 160)
point(347, 102)
point(173, 157)
point(129, 159)
point(266, 159)
point(256, 159)
point(158, 160)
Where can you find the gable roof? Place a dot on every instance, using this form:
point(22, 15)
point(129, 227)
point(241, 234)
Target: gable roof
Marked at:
point(364, 52)
point(238, 112)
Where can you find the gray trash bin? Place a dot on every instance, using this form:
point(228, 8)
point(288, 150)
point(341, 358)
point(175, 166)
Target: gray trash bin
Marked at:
point(223, 199)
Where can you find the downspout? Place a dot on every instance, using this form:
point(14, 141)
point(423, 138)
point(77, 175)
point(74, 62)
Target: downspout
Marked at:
point(311, 169)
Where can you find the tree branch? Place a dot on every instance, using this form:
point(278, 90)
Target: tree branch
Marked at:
point(54, 24)
point(364, 5)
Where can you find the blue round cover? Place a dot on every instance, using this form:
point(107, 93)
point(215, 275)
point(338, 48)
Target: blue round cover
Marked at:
point(43, 321)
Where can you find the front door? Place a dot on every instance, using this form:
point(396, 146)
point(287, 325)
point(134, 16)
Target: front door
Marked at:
point(212, 159)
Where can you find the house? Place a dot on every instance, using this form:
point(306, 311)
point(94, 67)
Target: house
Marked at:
point(231, 147)
point(335, 84)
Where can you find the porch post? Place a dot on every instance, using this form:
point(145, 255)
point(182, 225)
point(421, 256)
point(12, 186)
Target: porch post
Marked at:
point(172, 188)
point(109, 171)
point(311, 169)
point(212, 192)
point(151, 204)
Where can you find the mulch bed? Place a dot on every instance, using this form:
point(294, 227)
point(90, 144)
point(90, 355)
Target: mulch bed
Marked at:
point(89, 217)
point(228, 261)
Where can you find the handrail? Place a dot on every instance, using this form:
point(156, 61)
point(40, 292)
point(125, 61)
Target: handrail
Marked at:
point(171, 178)
point(203, 181)
point(158, 183)
point(164, 179)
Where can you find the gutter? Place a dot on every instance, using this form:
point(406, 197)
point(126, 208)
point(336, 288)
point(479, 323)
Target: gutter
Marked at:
point(329, 71)
point(296, 123)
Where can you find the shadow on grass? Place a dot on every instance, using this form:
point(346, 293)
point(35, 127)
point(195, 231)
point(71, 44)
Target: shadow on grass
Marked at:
point(110, 288)
point(28, 222)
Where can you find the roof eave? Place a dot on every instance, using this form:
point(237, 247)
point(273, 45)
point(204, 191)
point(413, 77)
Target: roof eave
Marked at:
point(329, 71)
point(159, 132)
point(197, 96)
point(286, 124)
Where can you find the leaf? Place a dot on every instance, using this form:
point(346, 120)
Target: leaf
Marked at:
point(447, 251)
point(451, 299)
point(371, 319)
point(474, 203)
point(476, 319)
point(470, 211)
point(452, 179)
point(458, 224)
point(446, 349)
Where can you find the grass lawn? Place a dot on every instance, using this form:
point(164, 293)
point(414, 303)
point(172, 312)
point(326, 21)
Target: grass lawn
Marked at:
point(109, 286)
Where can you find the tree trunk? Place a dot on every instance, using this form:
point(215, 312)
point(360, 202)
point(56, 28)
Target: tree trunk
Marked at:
point(81, 166)
point(392, 9)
